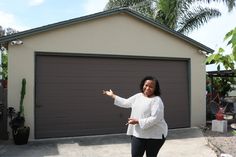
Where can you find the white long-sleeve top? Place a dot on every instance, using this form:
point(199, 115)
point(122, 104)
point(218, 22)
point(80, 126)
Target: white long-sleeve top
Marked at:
point(149, 112)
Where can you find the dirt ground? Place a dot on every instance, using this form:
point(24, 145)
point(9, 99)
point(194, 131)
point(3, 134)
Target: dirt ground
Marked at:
point(221, 143)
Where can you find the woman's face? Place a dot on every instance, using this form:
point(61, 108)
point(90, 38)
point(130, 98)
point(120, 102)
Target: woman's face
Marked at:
point(149, 88)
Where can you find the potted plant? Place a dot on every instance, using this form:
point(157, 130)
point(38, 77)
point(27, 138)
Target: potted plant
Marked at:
point(20, 132)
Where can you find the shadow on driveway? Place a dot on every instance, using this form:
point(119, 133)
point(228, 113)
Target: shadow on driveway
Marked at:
point(188, 142)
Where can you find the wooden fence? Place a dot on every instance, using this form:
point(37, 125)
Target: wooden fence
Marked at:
point(3, 112)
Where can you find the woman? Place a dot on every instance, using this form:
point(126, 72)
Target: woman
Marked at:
point(146, 124)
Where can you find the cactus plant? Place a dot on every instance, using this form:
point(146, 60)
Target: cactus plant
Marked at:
point(23, 85)
point(19, 130)
point(18, 119)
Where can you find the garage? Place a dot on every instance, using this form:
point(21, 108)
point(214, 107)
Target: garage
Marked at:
point(68, 64)
point(69, 100)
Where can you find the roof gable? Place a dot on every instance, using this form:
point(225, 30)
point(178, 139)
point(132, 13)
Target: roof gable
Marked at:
point(99, 15)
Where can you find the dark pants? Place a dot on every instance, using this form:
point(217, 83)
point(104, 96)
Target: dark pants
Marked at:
point(151, 146)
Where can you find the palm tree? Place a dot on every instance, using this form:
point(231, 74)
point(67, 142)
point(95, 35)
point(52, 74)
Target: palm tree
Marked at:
point(229, 3)
point(181, 15)
point(141, 6)
point(184, 16)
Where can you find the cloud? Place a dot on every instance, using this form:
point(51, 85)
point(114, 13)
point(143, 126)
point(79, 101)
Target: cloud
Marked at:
point(8, 20)
point(93, 6)
point(35, 2)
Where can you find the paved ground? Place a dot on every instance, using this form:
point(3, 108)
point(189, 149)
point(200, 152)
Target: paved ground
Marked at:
point(180, 143)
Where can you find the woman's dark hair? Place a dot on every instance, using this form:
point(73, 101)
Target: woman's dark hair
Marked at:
point(157, 91)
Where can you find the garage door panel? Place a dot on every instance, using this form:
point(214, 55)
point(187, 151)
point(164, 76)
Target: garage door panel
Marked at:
point(83, 132)
point(69, 100)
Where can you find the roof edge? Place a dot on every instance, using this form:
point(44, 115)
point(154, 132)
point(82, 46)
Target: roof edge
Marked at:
point(60, 24)
point(105, 13)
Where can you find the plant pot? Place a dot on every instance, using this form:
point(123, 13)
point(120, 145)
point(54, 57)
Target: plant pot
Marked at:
point(21, 135)
point(17, 122)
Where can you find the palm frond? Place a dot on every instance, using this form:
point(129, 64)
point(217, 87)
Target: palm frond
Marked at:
point(168, 12)
point(229, 3)
point(121, 3)
point(196, 18)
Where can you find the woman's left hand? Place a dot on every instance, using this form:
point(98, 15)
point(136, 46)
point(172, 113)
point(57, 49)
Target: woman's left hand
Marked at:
point(132, 121)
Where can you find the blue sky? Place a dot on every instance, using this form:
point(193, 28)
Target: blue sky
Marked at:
point(27, 14)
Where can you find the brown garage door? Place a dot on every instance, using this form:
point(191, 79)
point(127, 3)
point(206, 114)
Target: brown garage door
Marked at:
point(69, 100)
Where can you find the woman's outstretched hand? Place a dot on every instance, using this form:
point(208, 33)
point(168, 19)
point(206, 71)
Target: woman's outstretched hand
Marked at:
point(109, 93)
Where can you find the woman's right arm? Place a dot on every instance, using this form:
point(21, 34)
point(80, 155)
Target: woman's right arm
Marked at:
point(119, 101)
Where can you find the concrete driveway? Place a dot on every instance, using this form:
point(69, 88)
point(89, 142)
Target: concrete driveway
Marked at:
point(188, 142)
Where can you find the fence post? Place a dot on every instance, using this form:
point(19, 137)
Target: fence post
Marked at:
point(3, 113)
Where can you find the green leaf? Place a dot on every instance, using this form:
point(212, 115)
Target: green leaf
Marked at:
point(232, 56)
point(234, 52)
point(210, 59)
point(228, 34)
point(232, 66)
point(229, 42)
point(218, 57)
point(221, 50)
point(233, 39)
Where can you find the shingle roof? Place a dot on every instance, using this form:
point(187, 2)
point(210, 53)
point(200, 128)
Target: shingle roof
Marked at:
point(99, 15)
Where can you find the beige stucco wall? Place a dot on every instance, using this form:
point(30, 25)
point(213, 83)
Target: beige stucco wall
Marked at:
point(117, 34)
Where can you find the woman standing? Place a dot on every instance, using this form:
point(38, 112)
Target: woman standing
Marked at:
point(146, 124)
